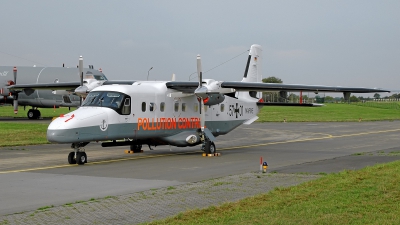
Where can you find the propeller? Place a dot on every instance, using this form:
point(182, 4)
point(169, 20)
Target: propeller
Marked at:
point(81, 75)
point(87, 84)
point(15, 92)
point(201, 93)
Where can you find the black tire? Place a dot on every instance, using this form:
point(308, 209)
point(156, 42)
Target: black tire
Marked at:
point(213, 150)
point(71, 158)
point(81, 158)
point(210, 147)
point(37, 114)
point(31, 114)
point(136, 148)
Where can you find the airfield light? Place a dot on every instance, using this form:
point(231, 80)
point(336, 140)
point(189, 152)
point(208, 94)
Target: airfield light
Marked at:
point(265, 166)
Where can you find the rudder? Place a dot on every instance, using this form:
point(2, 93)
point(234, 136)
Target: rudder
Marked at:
point(253, 71)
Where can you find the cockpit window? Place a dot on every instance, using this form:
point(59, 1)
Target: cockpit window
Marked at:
point(100, 77)
point(109, 99)
point(97, 77)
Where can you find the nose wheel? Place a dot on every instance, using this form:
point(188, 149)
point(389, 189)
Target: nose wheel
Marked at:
point(71, 158)
point(80, 159)
point(78, 156)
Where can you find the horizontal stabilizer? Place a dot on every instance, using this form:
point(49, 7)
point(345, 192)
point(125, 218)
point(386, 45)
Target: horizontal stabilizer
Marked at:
point(250, 121)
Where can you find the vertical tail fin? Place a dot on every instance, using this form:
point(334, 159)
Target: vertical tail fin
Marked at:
point(253, 72)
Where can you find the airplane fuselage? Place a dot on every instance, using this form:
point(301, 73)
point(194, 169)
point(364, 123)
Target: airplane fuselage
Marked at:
point(152, 117)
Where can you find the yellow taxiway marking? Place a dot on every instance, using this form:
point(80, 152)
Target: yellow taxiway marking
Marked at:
point(328, 136)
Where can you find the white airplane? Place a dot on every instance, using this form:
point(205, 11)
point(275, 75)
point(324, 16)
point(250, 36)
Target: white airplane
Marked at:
point(171, 112)
point(49, 87)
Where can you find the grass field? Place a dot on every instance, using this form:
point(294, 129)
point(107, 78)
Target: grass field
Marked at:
point(367, 196)
point(14, 134)
point(331, 112)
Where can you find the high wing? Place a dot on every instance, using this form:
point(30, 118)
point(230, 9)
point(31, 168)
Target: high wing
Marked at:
point(189, 87)
point(68, 86)
point(61, 86)
point(183, 86)
point(254, 86)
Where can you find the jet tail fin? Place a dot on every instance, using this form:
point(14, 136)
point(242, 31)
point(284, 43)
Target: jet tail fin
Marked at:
point(253, 72)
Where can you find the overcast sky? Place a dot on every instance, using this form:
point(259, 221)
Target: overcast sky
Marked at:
point(347, 43)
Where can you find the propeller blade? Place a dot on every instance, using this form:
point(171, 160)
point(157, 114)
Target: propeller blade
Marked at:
point(199, 72)
point(15, 92)
point(200, 91)
point(81, 69)
point(16, 104)
point(81, 75)
point(202, 115)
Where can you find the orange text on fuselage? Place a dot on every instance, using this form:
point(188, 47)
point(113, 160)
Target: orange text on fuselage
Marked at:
point(168, 123)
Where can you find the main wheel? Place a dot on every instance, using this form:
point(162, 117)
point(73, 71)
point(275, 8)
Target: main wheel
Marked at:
point(36, 114)
point(81, 158)
point(31, 114)
point(136, 148)
point(71, 158)
point(210, 147)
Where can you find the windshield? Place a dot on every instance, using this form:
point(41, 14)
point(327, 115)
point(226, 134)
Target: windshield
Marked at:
point(97, 77)
point(109, 99)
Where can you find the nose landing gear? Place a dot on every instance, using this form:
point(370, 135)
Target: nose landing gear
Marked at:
point(78, 156)
point(208, 147)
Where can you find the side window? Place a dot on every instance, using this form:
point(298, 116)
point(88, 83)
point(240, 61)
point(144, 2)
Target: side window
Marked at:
point(196, 107)
point(162, 106)
point(183, 107)
point(222, 107)
point(143, 106)
point(176, 107)
point(126, 108)
point(152, 106)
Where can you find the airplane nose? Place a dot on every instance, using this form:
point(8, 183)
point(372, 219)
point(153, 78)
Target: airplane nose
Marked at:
point(72, 127)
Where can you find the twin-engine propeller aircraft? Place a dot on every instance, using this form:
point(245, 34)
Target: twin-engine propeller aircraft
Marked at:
point(171, 112)
point(48, 87)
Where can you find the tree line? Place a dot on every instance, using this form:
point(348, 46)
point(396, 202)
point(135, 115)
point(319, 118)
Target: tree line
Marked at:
point(283, 96)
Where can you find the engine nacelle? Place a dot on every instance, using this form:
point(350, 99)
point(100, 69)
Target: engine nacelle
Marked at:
point(214, 99)
point(183, 139)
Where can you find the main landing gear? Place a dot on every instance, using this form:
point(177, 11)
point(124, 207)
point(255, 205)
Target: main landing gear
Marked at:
point(78, 156)
point(136, 148)
point(33, 114)
point(208, 147)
